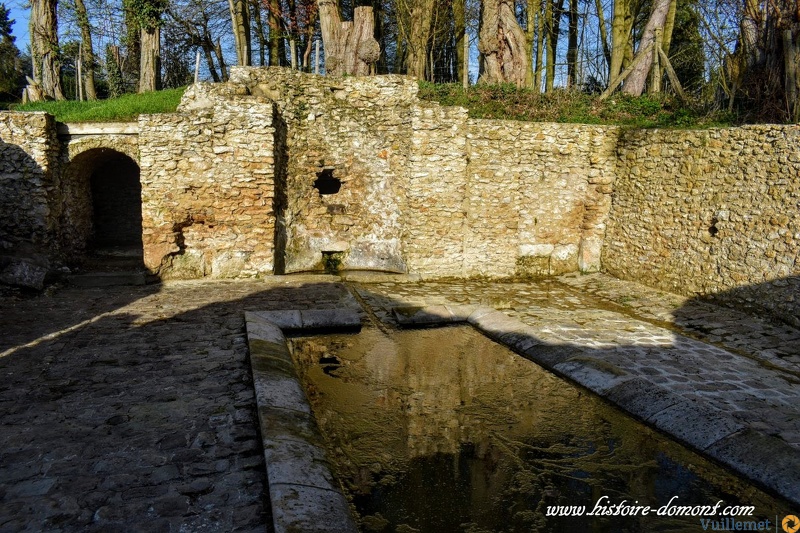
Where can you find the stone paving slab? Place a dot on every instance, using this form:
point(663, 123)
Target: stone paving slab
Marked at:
point(133, 408)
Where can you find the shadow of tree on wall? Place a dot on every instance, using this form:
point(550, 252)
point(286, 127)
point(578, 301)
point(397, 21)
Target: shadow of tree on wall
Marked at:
point(779, 299)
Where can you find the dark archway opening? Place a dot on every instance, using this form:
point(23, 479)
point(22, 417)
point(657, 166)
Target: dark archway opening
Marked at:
point(116, 205)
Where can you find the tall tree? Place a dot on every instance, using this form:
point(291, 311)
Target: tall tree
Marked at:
point(503, 44)
point(44, 47)
point(572, 44)
point(240, 20)
point(415, 19)
point(87, 51)
point(554, 9)
point(202, 22)
point(9, 58)
point(146, 14)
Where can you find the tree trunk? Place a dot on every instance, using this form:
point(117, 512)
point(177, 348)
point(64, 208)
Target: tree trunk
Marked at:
point(44, 48)
point(223, 70)
point(572, 45)
point(208, 48)
point(532, 16)
point(459, 30)
point(540, 30)
point(275, 56)
point(240, 20)
point(621, 27)
point(421, 17)
point(350, 47)
point(634, 84)
point(791, 55)
point(601, 17)
point(553, 21)
point(87, 55)
point(255, 5)
point(150, 63)
point(502, 43)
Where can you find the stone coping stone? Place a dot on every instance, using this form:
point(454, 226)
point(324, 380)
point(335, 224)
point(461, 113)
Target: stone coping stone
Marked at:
point(303, 492)
point(309, 319)
point(98, 128)
point(762, 458)
point(366, 276)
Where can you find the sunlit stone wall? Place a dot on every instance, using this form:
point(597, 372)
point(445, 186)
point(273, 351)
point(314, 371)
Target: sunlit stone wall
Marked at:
point(712, 211)
point(208, 188)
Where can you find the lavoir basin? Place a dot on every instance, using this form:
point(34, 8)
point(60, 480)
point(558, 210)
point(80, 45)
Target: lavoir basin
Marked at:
point(444, 430)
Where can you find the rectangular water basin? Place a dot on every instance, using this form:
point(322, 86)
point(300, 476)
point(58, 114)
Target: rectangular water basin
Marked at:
point(443, 430)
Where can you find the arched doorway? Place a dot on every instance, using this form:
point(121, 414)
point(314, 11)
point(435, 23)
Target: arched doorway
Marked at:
point(103, 210)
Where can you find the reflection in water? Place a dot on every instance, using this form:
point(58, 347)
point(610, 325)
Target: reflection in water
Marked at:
point(444, 430)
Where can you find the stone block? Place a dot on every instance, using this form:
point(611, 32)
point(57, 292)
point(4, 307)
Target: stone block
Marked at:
point(297, 508)
point(22, 273)
point(698, 425)
point(763, 458)
point(330, 319)
point(642, 398)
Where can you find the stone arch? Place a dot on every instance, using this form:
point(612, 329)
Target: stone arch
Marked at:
point(102, 205)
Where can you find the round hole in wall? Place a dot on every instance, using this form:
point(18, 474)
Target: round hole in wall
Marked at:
point(327, 183)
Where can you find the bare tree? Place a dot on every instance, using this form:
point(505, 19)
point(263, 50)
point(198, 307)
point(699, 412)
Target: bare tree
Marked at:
point(635, 82)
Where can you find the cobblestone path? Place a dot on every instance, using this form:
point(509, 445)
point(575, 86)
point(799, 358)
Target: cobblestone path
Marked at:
point(132, 408)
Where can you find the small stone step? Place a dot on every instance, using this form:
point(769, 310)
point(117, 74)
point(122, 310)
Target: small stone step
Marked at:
point(109, 279)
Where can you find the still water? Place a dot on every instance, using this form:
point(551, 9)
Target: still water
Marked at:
point(443, 430)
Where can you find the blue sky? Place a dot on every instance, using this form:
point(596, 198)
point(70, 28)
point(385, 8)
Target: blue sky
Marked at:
point(20, 27)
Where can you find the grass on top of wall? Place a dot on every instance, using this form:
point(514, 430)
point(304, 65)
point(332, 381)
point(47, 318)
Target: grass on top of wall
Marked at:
point(571, 106)
point(126, 108)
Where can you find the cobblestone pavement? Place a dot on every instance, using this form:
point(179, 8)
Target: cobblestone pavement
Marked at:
point(132, 408)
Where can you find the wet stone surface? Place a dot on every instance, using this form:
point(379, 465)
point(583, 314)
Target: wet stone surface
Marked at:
point(133, 408)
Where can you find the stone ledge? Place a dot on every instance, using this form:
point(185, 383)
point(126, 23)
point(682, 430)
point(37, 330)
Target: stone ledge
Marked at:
point(303, 493)
point(72, 129)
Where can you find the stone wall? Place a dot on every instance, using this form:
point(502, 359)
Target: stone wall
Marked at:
point(351, 135)
point(207, 177)
point(29, 179)
point(704, 212)
point(278, 171)
point(29, 197)
point(423, 189)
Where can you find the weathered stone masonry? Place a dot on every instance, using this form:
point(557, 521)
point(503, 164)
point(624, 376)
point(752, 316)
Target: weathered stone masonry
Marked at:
point(710, 212)
point(276, 171)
